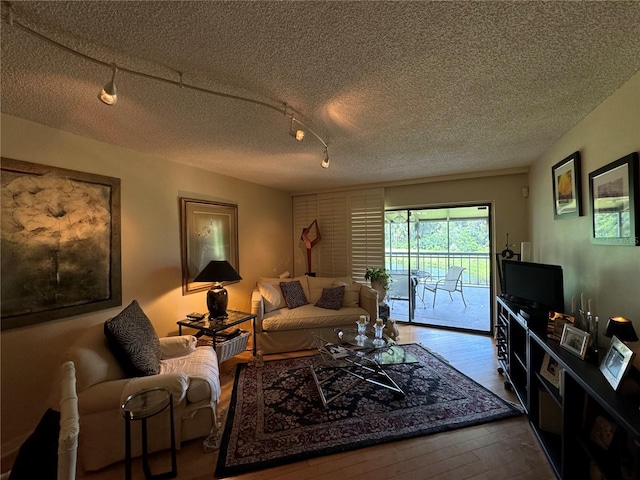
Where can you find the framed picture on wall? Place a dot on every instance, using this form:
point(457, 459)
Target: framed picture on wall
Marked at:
point(60, 243)
point(209, 231)
point(613, 194)
point(567, 191)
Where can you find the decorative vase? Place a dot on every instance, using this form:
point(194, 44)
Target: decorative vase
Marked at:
point(379, 287)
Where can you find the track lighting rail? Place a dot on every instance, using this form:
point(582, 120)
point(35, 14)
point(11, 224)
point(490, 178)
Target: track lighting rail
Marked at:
point(283, 108)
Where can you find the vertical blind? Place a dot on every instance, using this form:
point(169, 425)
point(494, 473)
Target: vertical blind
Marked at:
point(352, 229)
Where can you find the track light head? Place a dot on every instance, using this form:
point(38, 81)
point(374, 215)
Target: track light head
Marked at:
point(108, 95)
point(325, 162)
point(296, 133)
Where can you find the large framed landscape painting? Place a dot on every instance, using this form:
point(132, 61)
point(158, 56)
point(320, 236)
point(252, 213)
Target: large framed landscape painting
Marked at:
point(209, 231)
point(60, 243)
point(615, 206)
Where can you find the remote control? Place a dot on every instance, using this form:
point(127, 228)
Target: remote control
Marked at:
point(196, 316)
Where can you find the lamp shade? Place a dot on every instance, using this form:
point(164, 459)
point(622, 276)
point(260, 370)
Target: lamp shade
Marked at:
point(217, 271)
point(622, 328)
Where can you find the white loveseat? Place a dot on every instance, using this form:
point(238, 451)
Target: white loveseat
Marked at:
point(190, 373)
point(281, 329)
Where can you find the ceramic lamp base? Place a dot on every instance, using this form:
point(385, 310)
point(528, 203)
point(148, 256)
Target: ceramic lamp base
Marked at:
point(217, 301)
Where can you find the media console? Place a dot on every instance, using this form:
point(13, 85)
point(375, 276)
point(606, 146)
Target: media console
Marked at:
point(586, 429)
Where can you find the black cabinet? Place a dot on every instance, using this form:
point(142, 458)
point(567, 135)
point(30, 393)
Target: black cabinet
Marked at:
point(511, 341)
point(586, 429)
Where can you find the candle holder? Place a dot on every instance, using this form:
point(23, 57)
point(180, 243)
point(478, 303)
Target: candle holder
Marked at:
point(378, 341)
point(362, 323)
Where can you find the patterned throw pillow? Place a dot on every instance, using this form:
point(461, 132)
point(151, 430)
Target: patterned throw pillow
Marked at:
point(331, 298)
point(134, 342)
point(293, 294)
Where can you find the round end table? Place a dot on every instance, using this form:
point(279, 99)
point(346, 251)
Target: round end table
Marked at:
point(141, 406)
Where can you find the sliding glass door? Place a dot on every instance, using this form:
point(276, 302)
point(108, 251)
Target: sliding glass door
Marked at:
point(439, 260)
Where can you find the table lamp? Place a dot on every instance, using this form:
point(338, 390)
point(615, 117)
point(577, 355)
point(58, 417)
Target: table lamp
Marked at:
point(622, 328)
point(217, 271)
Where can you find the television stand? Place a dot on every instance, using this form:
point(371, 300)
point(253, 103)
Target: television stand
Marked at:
point(570, 418)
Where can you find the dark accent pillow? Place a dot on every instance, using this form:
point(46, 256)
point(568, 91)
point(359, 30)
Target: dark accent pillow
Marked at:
point(331, 298)
point(38, 455)
point(293, 294)
point(134, 342)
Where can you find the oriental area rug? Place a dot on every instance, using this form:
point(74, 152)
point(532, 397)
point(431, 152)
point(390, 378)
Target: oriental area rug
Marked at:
point(276, 415)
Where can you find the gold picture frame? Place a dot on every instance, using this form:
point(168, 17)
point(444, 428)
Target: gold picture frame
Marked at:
point(209, 231)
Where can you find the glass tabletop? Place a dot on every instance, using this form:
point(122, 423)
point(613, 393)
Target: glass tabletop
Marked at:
point(389, 353)
point(146, 403)
point(216, 324)
point(351, 337)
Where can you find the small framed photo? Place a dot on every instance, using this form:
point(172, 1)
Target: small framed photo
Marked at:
point(567, 192)
point(575, 340)
point(616, 362)
point(551, 371)
point(602, 432)
point(556, 323)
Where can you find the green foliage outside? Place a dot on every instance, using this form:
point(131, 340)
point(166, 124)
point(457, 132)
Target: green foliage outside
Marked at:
point(435, 245)
point(612, 225)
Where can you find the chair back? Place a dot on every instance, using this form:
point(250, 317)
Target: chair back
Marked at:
point(93, 360)
point(400, 286)
point(451, 280)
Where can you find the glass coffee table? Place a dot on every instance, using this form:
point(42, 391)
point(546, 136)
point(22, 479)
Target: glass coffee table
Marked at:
point(362, 360)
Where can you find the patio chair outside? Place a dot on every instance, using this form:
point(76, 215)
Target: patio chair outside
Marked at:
point(451, 283)
point(400, 289)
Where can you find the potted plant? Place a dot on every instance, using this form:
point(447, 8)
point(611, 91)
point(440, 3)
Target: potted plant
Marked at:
point(380, 280)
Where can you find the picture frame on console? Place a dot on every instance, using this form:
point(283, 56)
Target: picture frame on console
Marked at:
point(575, 341)
point(551, 371)
point(556, 324)
point(209, 231)
point(613, 195)
point(567, 189)
point(616, 362)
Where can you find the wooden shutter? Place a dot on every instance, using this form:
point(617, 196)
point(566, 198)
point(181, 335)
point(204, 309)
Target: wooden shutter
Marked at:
point(352, 227)
point(305, 211)
point(334, 247)
point(367, 231)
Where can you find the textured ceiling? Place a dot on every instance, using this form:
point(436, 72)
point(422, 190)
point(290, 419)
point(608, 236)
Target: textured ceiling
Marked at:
point(398, 90)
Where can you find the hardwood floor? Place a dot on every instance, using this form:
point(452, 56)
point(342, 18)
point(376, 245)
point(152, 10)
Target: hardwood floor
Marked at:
point(506, 449)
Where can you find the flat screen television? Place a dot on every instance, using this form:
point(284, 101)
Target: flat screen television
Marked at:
point(534, 286)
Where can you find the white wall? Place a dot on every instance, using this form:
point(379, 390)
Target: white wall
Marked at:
point(610, 275)
point(151, 258)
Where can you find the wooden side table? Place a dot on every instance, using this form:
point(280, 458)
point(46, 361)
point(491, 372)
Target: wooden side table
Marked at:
point(141, 406)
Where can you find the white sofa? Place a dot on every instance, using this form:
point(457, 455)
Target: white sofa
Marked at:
point(190, 373)
point(281, 329)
